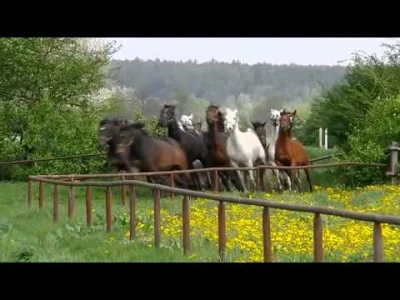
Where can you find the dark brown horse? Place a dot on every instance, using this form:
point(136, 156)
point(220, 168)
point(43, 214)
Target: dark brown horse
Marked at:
point(216, 140)
point(153, 153)
point(108, 136)
point(289, 151)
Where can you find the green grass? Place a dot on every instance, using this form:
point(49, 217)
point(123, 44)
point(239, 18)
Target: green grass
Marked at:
point(30, 235)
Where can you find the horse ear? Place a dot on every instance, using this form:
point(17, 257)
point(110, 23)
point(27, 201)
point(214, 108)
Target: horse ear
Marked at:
point(294, 113)
point(263, 124)
point(191, 116)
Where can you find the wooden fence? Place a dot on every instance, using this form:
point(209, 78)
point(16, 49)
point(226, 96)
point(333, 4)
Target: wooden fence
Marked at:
point(83, 180)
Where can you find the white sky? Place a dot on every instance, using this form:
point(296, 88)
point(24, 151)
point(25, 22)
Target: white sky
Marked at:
point(304, 51)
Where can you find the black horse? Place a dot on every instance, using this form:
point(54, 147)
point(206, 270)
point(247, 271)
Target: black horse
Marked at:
point(193, 144)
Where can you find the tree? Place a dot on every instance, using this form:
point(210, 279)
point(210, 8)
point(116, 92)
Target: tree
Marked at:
point(46, 91)
point(343, 107)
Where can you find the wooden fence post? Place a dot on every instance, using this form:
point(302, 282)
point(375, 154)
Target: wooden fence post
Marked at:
point(394, 153)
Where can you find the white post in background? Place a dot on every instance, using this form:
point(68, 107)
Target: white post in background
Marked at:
point(326, 138)
point(320, 137)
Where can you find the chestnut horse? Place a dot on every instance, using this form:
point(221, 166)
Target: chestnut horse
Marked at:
point(289, 151)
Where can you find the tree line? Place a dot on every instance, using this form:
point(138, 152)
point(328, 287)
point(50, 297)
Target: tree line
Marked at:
point(219, 81)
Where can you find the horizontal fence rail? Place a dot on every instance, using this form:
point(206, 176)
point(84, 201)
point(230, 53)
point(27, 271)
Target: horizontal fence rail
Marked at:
point(221, 169)
point(73, 181)
point(29, 161)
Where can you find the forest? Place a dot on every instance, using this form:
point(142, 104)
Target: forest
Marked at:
point(194, 85)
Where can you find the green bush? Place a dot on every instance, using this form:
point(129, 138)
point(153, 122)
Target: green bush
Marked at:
point(369, 143)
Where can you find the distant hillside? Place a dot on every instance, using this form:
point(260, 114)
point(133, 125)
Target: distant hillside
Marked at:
point(216, 82)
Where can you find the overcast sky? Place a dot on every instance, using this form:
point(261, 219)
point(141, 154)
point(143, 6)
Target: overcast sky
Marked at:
point(318, 51)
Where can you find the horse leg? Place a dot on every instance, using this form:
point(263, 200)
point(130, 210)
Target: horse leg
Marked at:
point(297, 180)
point(235, 180)
point(276, 173)
point(194, 178)
point(201, 177)
point(251, 174)
point(225, 178)
point(238, 172)
point(261, 173)
point(181, 180)
point(285, 177)
point(308, 175)
point(292, 175)
point(206, 176)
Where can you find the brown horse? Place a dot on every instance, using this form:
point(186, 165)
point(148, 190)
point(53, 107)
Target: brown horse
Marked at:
point(153, 153)
point(289, 151)
point(108, 136)
point(217, 139)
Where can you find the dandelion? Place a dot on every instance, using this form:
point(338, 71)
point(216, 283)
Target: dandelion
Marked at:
point(292, 232)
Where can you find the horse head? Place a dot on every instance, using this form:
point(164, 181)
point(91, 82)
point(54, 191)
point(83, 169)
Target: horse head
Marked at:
point(108, 128)
point(212, 114)
point(275, 116)
point(286, 120)
point(128, 134)
point(259, 128)
point(187, 121)
point(215, 116)
point(231, 119)
point(167, 115)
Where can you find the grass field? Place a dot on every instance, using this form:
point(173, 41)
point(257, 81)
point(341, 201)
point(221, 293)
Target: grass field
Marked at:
point(30, 235)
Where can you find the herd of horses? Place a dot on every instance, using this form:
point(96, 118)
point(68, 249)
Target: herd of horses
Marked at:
point(223, 144)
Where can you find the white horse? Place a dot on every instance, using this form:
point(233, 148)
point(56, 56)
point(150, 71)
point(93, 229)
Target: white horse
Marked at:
point(275, 116)
point(243, 148)
point(187, 121)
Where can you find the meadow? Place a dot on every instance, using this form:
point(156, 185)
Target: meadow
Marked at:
point(30, 235)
